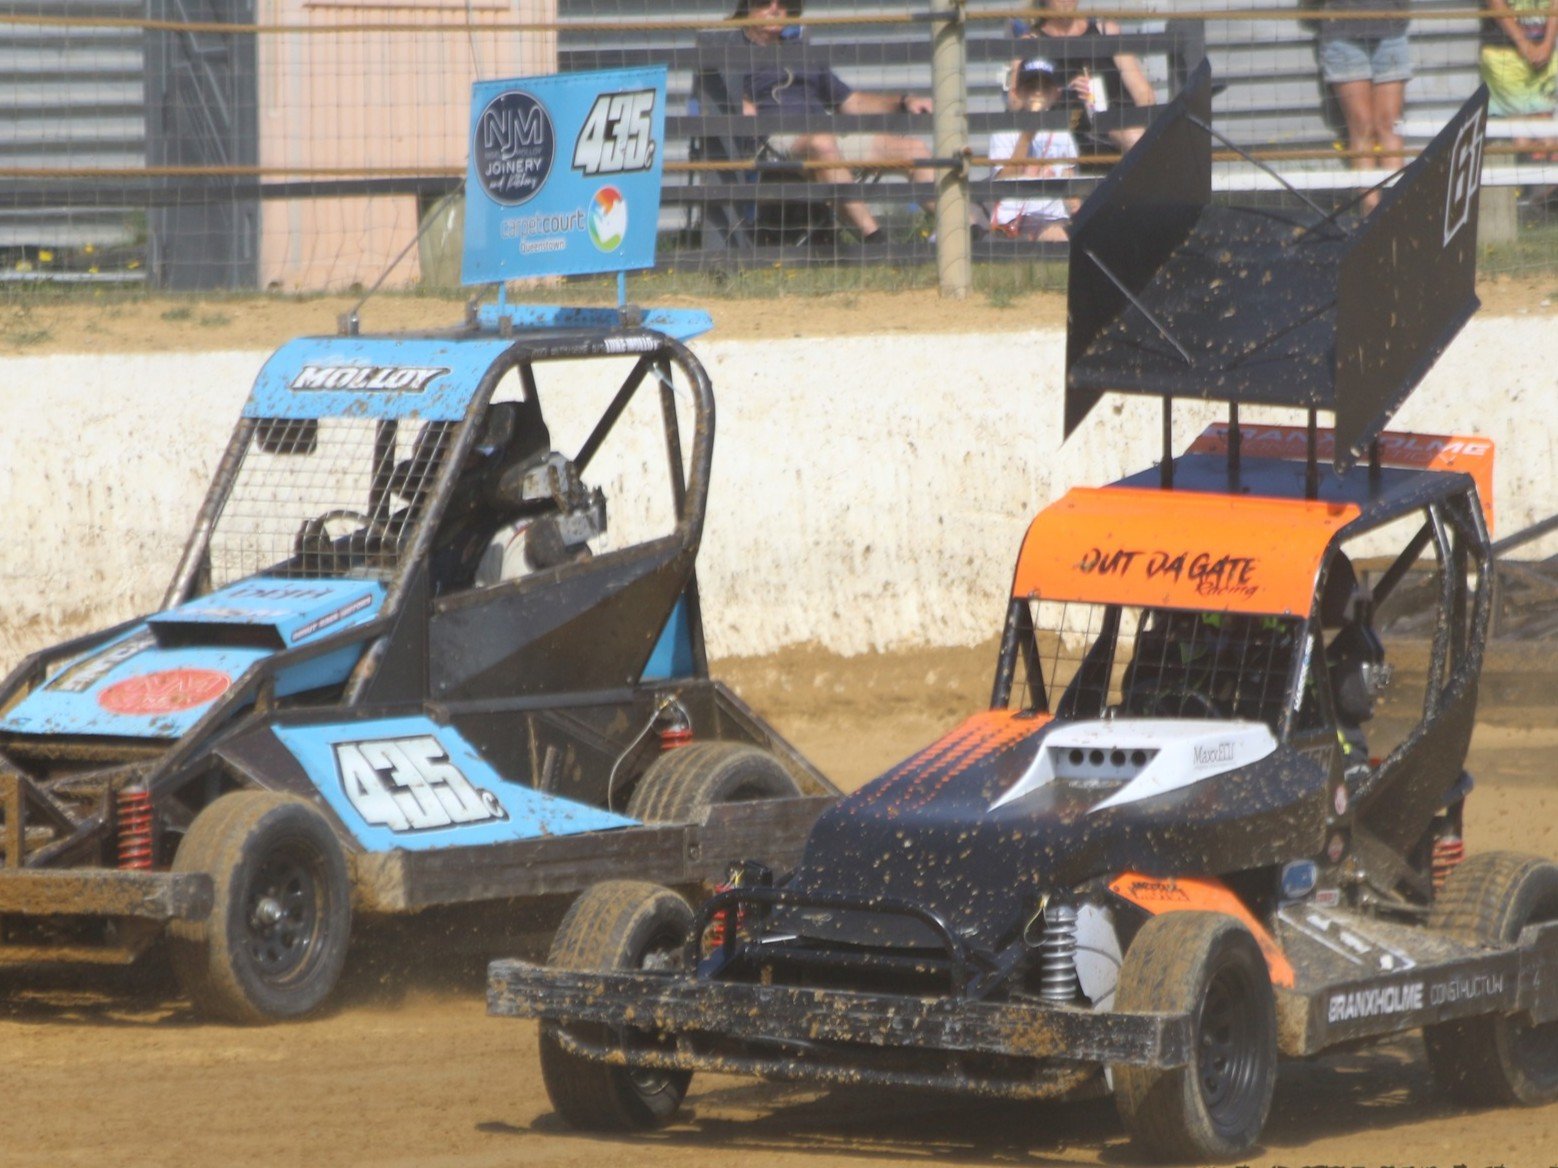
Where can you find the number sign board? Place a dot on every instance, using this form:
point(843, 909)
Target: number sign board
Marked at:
point(564, 174)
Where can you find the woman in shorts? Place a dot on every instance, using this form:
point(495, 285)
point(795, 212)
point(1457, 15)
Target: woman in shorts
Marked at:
point(1367, 64)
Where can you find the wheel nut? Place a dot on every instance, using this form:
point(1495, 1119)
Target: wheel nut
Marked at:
point(267, 911)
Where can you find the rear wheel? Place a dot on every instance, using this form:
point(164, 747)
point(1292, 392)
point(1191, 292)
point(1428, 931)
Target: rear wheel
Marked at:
point(1495, 1058)
point(682, 784)
point(1208, 966)
point(274, 943)
point(621, 924)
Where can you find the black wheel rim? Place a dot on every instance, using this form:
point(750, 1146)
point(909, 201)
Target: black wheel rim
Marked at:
point(664, 952)
point(283, 913)
point(1230, 1050)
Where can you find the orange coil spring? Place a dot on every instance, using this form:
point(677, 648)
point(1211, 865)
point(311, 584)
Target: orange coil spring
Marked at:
point(135, 824)
point(714, 935)
point(673, 736)
point(1448, 852)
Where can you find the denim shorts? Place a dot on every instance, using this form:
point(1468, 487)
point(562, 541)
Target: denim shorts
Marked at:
point(1376, 59)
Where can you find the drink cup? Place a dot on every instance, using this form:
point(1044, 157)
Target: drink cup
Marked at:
point(1100, 94)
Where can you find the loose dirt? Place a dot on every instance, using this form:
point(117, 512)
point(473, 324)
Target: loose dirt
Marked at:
point(408, 1069)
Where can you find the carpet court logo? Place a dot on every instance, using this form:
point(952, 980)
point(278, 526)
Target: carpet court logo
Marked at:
point(608, 219)
point(514, 147)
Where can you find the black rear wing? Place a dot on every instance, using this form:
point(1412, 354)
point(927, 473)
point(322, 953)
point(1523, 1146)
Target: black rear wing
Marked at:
point(1172, 295)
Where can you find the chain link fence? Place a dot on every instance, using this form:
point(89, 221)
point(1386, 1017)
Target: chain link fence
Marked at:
point(309, 145)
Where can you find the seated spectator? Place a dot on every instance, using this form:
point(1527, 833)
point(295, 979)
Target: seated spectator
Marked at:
point(1035, 88)
point(1118, 75)
point(818, 94)
point(1519, 63)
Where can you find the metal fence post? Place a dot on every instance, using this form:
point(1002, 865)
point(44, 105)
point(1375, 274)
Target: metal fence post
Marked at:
point(949, 88)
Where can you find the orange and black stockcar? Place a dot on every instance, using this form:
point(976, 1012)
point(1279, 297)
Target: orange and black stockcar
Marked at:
point(1201, 825)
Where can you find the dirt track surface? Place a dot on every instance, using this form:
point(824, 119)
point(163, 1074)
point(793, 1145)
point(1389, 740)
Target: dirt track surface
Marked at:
point(109, 321)
point(409, 1070)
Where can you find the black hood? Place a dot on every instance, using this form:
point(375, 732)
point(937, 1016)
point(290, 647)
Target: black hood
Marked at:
point(928, 833)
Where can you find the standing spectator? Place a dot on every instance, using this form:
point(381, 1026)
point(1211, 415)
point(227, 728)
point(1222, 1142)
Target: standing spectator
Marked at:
point(1028, 154)
point(817, 94)
point(1367, 64)
point(1518, 62)
point(1120, 74)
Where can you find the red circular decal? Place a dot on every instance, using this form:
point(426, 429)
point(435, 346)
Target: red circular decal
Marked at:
point(164, 692)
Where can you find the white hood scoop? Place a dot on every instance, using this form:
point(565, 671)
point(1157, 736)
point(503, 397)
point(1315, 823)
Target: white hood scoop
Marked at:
point(1137, 758)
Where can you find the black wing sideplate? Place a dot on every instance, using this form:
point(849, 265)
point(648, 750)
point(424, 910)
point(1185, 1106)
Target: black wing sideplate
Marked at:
point(1408, 283)
point(1135, 219)
point(1174, 296)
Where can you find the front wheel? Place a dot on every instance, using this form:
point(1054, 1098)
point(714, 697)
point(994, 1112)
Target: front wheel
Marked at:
point(620, 924)
point(1495, 1059)
point(275, 941)
point(1208, 966)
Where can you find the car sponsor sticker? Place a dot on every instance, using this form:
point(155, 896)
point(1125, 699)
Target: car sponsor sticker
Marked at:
point(319, 624)
point(1374, 1001)
point(87, 672)
point(410, 784)
point(166, 691)
point(382, 378)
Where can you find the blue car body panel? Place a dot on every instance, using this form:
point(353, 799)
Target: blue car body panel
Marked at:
point(147, 683)
point(411, 783)
point(373, 377)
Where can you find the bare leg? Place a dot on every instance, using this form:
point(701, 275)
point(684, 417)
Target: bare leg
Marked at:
point(1357, 102)
point(825, 148)
point(1127, 137)
point(897, 148)
point(1387, 101)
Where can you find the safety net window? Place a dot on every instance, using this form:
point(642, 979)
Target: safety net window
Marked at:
point(327, 497)
point(1095, 660)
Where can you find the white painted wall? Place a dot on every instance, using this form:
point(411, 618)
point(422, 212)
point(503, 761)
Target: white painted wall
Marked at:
point(869, 493)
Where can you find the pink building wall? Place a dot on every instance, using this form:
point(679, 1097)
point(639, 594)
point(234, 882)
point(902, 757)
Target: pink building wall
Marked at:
point(373, 100)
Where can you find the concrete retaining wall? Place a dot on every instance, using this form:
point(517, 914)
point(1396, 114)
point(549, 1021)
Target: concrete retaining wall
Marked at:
point(869, 493)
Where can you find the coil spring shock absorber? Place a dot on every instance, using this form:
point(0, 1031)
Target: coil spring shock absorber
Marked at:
point(673, 725)
point(133, 805)
point(1058, 954)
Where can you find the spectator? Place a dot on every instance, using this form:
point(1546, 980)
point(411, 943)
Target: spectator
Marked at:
point(818, 93)
point(1367, 64)
point(1120, 75)
point(1035, 88)
point(1518, 62)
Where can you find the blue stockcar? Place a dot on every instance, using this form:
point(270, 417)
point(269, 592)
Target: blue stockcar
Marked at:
point(405, 661)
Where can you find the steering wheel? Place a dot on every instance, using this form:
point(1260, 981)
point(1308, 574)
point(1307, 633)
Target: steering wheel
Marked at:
point(1187, 703)
point(316, 547)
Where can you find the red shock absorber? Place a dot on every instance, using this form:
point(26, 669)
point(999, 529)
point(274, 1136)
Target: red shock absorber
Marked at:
point(1449, 851)
point(673, 725)
point(135, 828)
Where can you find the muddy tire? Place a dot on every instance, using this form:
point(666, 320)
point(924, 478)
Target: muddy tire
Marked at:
point(275, 941)
point(1206, 965)
point(621, 924)
point(682, 784)
point(1495, 1059)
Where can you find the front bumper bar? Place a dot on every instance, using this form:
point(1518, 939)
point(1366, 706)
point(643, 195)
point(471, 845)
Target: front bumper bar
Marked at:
point(105, 892)
point(827, 1034)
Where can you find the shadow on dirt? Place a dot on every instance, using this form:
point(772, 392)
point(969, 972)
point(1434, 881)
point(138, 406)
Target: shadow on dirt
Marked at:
point(435, 954)
point(1370, 1089)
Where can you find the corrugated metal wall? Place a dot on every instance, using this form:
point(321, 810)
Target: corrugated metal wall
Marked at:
point(71, 97)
